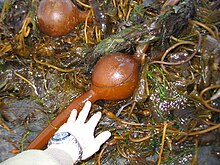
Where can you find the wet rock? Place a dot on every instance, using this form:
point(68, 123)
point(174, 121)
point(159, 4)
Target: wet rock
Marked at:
point(16, 111)
point(25, 118)
point(5, 147)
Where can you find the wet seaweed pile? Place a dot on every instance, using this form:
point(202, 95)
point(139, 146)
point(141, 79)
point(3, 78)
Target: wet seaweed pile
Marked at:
point(173, 114)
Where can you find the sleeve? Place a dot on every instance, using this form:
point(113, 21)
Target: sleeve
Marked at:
point(51, 156)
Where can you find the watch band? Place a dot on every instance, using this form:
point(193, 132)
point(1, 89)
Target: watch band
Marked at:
point(66, 138)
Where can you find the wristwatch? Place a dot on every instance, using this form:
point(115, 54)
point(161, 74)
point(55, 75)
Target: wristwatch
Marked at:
point(66, 138)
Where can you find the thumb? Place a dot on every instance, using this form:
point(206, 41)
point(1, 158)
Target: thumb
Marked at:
point(102, 138)
point(94, 147)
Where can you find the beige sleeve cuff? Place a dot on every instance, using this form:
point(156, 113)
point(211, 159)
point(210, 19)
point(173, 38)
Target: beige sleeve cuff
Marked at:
point(60, 156)
point(39, 157)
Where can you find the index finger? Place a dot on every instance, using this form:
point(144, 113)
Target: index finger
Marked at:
point(84, 113)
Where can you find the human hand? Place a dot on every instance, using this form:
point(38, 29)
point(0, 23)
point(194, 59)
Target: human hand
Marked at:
point(84, 132)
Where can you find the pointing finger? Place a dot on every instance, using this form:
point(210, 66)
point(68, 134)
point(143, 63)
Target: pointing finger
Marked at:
point(72, 116)
point(84, 113)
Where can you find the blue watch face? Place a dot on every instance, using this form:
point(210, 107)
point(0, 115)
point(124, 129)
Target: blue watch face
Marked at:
point(60, 136)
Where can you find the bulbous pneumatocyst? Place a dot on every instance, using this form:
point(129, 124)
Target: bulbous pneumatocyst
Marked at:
point(113, 70)
point(57, 17)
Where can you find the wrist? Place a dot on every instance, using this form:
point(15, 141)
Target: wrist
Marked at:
point(67, 143)
point(66, 149)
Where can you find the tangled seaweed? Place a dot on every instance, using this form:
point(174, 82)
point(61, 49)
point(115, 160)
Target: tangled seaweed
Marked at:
point(177, 102)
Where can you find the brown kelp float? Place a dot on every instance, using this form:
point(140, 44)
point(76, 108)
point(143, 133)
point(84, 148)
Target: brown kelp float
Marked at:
point(114, 78)
point(58, 18)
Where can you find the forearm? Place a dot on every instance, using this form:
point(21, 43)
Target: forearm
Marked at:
point(32, 156)
point(50, 156)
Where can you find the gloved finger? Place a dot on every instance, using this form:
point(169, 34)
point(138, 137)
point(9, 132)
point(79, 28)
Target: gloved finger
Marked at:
point(63, 128)
point(84, 113)
point(72, 117)
point(93, 121)
point(95, 146)
point(102, 138)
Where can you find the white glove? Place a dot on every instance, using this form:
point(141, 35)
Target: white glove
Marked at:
point(84, 132)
